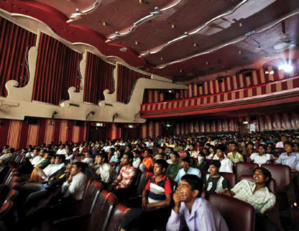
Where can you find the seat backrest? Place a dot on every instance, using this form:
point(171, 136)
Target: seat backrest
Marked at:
point(230, 209)
point(231, 178)
point(114, 222)
point(91, 195)
point(102, 211)
point(244, 169)
point(142, 183)
point(12, 195)
point(5, 208)
point(271, 185)
point(281, 174)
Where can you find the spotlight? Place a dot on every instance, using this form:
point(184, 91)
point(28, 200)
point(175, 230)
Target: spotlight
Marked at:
point(286, 68)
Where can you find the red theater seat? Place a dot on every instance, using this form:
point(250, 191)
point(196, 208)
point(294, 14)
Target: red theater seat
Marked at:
point(231, 178)
point(281, 174)
point(244, 169)
point(237, 214)
point(114, 222)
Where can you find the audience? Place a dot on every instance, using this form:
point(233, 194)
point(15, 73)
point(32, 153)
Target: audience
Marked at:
point(186, 170)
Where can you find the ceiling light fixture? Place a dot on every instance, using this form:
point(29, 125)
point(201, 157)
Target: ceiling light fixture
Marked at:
point(286, 68)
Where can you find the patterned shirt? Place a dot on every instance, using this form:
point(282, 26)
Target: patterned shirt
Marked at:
point(172, 171)
point(125, 177)
point(291, 160)
point(261, 200)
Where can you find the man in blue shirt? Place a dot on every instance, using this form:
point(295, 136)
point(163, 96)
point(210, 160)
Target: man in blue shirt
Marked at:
point(197, 213)
point(186, 170)
point(289, 157)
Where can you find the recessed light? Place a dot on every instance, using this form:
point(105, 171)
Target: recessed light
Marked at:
point(172, 26)
point(123, 49)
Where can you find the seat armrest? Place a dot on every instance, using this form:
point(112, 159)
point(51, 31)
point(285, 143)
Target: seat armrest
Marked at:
point(79, 222)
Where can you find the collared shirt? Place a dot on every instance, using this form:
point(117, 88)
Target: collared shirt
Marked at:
point(263, 159)
point(235, 159)
point(203, 217)
point(191, 171)
point(172, 170)
point(106, 172)
point(61, 152)
point(291, 160)
point(52, 168)
point(125, 177)
point(261, 200)
point(76, 187)
point(88, 161)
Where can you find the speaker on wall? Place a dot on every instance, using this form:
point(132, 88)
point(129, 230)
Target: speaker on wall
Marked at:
point(30, 120)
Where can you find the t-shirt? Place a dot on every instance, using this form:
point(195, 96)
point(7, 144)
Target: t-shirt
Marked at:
point(263, 159)
point(215, 184)
point(158, 190)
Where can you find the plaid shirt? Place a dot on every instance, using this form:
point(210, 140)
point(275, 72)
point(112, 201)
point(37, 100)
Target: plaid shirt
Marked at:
point(125, 177)
point(261, 200)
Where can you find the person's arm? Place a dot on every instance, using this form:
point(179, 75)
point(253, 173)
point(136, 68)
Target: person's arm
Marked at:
point(117, 180)
point(270, 203)
point(176, 219)
point(177, 178)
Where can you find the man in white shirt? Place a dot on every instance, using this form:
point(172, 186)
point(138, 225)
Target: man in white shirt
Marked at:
point(261, 157)
point(226, 164)
point(105, 171)
point(38, 157)
point(87, 159)
point(186, 170)
point(75, 185)
point(61, 150)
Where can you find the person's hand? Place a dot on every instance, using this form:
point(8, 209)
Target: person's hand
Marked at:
point(144, 202)
point(178, 197)
point(225, 192)
point(70, 179)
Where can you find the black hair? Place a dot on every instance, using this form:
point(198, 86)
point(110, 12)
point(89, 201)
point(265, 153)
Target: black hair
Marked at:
point(266, 173)
point(250, 143)
point(194, 181)
point(80, 165)
point(137, 151)
point(176, 154)
point(216, 163)
point(263, 146)
point(162, 163)
point(103, 155)
point(150, 151)
point(186, 159)
point(129, 154)
point(288, 143)
point(61, 157)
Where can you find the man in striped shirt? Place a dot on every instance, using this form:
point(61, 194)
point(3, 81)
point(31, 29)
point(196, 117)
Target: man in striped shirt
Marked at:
point(156, 200)
point(125, 177)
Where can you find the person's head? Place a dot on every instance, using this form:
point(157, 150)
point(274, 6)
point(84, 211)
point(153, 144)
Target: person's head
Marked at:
point(220, 153)
point(160, 156)
point(136, 153)
point(52, 160)
point(250, 146)
point(46, 155)
point(160, 150)
point(186, 154)
point(127, 148)
point(233, 146)
point(36, 152)
point(262, 149)
point(111, 151)
point(296, 147)
point(186, 163)
point(284, 138)
point(77, 167)
point(59, 159)
point(87, 154)
point(191, 187)
point(101, 158)
point(127, 158)
point(288, 147)
point(175, 157)
point(261, 176)
point(148, 153)
point(160, 167)
point(214, 167)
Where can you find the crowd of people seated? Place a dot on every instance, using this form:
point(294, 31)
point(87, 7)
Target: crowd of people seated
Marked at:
point(182, 172)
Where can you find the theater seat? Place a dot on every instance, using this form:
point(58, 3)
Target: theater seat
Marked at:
point(114, 222)
point(237, 214)
point(231, 178)
point(281, 174)
point(244, 169)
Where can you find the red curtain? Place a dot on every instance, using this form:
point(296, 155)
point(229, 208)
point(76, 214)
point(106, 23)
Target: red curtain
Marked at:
point(98, 77)
point(56, 71)
point(14, 42)
point(126, 80)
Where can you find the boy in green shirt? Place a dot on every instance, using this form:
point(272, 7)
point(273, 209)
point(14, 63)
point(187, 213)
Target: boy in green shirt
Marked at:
point(173, 168)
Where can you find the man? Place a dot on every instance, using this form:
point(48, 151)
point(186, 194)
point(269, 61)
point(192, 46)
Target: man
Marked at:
point(105, 170)
point(214, 182)
point(136, 159)
point(197, 213)
point(256, 194)
point(87, 158)
point(147, 163)
point(121, 186)
point(38, 157)
point(61, 151)
point(75, 185)
point(226, 164)
point(173, 168)
point(261, 157)
point(156, 200)
point(7, 155)
point(289, 157)
point(280, 144)
point(186, 170)
point(234, 155)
